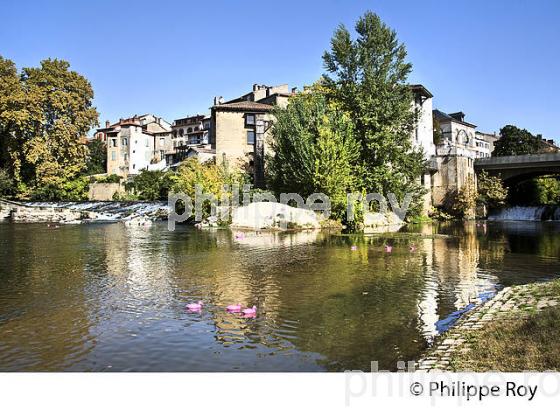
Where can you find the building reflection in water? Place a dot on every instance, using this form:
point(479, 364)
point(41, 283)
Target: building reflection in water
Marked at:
point(114, 295)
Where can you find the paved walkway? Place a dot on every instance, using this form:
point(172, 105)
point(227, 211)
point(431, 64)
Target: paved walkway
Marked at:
point(512, 303)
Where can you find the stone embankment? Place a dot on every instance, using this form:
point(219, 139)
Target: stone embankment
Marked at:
point(511, 303)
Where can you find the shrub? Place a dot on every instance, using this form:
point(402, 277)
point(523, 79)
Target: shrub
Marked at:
point(72, 190)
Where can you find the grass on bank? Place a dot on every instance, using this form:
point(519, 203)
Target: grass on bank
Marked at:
point(530, 344)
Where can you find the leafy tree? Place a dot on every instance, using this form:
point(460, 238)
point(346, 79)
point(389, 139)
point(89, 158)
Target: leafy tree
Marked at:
point(536, 191)
point(491, 191)
point(152, 185)
point(97, 157)
point(464, 200)
point(548, 191)
point(368, 78)
point(210, 177)
point(314, 150)
point(44, 114)
point(516, 141)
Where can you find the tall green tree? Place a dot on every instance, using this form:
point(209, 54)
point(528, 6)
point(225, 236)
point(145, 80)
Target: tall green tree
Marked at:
point(45, 112)
point(367, 76)
point(314, 149)
point(516, 141)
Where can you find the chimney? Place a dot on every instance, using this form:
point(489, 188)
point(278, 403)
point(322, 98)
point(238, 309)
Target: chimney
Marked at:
point(294, 90)
point(551, 142)
point(255, 87)
point(107, 124)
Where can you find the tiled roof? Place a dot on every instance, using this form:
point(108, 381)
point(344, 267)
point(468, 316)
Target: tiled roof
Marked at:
point(441, 116)
point(244, 106)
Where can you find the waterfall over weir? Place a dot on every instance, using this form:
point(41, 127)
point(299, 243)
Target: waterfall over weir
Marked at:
point(527, 213)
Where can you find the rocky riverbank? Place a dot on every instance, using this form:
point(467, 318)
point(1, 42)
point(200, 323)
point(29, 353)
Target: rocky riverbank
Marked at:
point(512, 304)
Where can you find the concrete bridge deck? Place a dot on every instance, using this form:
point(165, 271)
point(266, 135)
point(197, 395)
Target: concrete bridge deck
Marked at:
point(516, 168)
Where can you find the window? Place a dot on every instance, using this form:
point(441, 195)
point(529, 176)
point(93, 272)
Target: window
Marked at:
point(126, 157)
point(133, 166)
point(113, 156)
point(250, 137)
point(147, 142)
point(250, 119)
point(125, 141)
point(113, 142)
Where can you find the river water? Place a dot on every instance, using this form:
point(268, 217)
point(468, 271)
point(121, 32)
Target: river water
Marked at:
point(106, 297)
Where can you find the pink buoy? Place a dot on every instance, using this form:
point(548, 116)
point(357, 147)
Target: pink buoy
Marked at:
point(234, 308)
point(195, 307)
point(250, 312)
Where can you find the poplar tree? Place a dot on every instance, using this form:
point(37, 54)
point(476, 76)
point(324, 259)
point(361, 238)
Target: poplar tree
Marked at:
point(367, 76)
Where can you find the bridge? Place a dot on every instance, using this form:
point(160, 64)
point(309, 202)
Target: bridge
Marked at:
point(517, 168)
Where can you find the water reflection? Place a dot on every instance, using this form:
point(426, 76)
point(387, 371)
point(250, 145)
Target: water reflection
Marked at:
point(108, 297)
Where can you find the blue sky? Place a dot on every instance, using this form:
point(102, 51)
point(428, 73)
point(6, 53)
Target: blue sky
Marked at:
point(498, 61)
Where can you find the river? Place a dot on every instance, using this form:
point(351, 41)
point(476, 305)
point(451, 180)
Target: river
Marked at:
point(106, 297)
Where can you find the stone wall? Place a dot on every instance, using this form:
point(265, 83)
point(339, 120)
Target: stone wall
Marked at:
point(453, 173)
point(104, 191)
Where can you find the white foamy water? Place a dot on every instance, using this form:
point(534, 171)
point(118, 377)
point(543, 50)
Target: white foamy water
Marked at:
point(112, 211)
point(527, 213)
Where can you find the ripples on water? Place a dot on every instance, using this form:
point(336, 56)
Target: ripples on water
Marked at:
point(111, 298)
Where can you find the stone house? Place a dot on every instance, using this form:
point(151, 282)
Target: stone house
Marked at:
point(240, 127)
point(136, 143)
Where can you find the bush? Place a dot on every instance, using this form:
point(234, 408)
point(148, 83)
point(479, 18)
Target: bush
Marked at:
point(109, 179)
point(209, 176)
point(6, 183)
point(151, 185)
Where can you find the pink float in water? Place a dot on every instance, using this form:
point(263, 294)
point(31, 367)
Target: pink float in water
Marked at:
point(388, 248)
point(234, 308)
point(195, 307)
point(239, 235)
point(250, 312)
point(353, 248)
point(412, 248)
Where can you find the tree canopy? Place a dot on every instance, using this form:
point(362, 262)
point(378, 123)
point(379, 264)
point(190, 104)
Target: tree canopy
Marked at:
point(45, 113)
point(516, 141)
point(314, 149)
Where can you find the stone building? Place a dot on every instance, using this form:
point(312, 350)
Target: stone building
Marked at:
point(136, 143)
point(192, 130)
point(486, 142)
point(240, 127)
point(459, 147)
